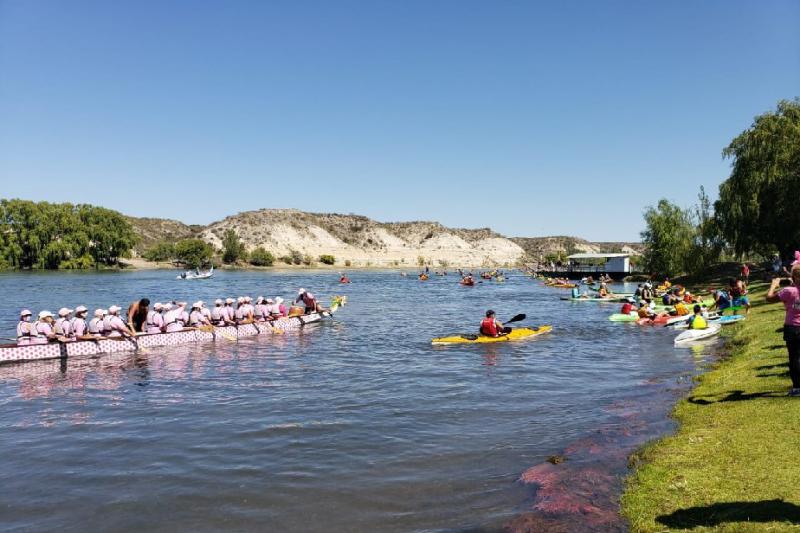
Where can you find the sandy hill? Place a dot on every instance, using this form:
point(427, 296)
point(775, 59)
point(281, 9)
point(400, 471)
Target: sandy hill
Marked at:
point(366, 242)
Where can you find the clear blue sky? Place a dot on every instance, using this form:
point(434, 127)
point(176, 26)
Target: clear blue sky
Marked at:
point(532, 118)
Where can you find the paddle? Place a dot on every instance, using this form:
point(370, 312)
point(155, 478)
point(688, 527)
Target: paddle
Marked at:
point(211, 329)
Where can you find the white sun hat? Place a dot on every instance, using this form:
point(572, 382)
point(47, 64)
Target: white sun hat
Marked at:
point(64, 311)
point(45, 314)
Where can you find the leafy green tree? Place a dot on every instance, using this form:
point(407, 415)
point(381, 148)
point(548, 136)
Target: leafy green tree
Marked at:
point(668, 239)
point(708, 243)
point(261, 257)
point(193, 252)
point(161, 251)
point(232, 247)
point(757, 207)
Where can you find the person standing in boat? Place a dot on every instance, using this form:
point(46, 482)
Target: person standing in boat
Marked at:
point(63, 326)
point(311, 304)
point(25, 331)
point(137, 315)
point(43, 328)
point(491, 327)
point(155, 321)
point(78, 324)
point(114, 325)
point(97, 326)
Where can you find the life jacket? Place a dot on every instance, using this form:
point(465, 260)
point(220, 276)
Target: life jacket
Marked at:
point(310, 303)
point(698, 322)
point(681, 309)
point(24, 330)
point(76, 324)
point(96, 326)
point(150, 322)
point(626, 308)
point(489, 327)
point(218, 315)
point(195, 318)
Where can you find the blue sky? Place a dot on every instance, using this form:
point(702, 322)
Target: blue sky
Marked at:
point(531, 118)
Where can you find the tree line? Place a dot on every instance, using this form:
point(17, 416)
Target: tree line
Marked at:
point(45, 235)
point(755, 214)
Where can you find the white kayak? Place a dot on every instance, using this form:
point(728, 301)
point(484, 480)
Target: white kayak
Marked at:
point(691, 335)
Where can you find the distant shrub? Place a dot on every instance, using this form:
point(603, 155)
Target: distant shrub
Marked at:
point(327, 259)
point(348, 263)
point(297, 257)
point(286, 259)
point(308, 260)
point(261, 257)
point(421, 260)
point(162, 251)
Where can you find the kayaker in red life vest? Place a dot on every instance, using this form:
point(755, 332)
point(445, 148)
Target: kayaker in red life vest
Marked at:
point(628, 308)
point(491, 327)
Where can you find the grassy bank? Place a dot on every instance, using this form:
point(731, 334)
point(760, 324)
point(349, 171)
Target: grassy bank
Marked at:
point(734, 463)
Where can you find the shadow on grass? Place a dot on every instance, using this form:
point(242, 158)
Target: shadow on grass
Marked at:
point(718, 513)
point(778, 375)
point(735, 396)
point(767, 367)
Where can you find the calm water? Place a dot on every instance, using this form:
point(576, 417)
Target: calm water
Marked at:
point(356, 424)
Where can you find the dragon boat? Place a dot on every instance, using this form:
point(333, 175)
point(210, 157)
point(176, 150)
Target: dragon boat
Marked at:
point(10, 353)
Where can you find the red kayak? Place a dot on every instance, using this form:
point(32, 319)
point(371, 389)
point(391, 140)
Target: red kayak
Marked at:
point(660, 320)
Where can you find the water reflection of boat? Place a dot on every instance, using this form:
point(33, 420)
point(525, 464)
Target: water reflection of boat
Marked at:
point(196, 274)
point(36, 352)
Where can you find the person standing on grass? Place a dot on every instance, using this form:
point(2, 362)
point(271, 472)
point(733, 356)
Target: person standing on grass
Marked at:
point(790, 296)
point(746, 272)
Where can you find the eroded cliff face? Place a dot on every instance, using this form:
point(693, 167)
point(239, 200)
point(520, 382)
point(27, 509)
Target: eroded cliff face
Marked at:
point(363, 241)
point(366, 242)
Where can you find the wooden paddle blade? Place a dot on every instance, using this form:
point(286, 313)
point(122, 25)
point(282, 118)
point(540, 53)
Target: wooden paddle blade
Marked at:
point(517, 318)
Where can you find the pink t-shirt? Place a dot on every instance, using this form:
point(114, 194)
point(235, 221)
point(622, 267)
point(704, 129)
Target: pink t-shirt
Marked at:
point(790, 296)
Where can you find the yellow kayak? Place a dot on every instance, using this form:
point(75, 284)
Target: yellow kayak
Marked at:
point(517, 334)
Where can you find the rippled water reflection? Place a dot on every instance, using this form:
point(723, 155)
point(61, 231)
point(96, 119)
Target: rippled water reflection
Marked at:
point(356, 424)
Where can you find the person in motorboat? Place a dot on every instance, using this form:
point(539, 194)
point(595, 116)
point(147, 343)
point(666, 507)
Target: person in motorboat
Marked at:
point(137, 315)
point(63, 324)
point(491, 327)
point(155, 321)
point(698, 321)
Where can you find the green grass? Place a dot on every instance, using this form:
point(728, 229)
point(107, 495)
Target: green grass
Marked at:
point(734, 463)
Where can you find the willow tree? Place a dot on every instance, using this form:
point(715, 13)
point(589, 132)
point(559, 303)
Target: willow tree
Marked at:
point(757, 210)
point(668, 238)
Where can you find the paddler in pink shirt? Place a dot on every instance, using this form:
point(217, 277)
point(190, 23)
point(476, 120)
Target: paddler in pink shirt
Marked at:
point(24, 328)
point(196, 317)
point(155, 322)
point(218, 314)
point(78, 325)
point(43, 328)
point(97, 327)
point(63, 324)
point(173, 318)
point(114, 325)
point(230, 313)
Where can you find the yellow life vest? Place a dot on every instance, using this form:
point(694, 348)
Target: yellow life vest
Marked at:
point(681, 309)
point(698, 322)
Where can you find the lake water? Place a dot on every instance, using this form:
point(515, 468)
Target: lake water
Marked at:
point(355, 424)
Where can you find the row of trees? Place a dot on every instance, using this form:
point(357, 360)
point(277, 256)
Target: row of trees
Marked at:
point(49, 236)
point(755, 214)
point(197, 253)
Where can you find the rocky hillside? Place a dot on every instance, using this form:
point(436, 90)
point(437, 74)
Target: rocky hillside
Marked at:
point(153, 230)
point(539, 247)
point(366, 242)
